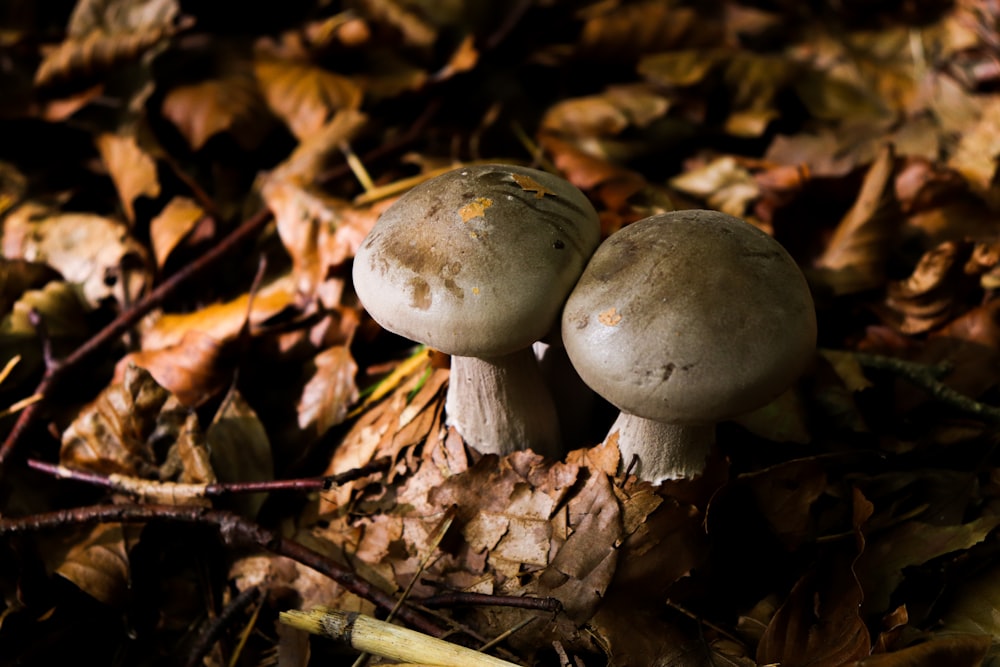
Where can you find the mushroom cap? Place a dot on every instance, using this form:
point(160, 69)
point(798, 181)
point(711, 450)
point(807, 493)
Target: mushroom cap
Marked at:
point(477, 261)
point(690, 317)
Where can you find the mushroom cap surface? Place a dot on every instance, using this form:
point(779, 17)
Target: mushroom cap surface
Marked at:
point(690, 317)
point(477, 261)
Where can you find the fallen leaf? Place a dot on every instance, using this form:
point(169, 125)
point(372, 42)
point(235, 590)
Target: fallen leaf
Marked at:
point(172, 225)
point(194, 369)
point(131, 168)
point(88, 250)
point(98, 564)
point(240, 451)
point(305, 96)
point(112, 434)
point(229, 104)
point(330, 391)
point(855, 258)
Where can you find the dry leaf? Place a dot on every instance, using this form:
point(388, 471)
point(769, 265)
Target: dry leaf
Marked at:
point(240, 451)
point(99, 565)
point(194, 369)
point(231, 104)
point(329, 392)
point(934, 292)
point(172, 225)
point(131, 168)
point(88, 250)
point(112, 434)
point(306, 97)
point(855, 258)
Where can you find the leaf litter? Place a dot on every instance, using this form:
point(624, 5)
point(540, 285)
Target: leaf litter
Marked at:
point(850, 522)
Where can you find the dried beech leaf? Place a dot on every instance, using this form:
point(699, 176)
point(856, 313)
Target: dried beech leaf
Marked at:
point(754, 82)
point(723, 184)
point(240, 451)
point(415, 29)
point(305, 96)
point(609, 113)
point(105, 35)
point(172, 225)
point(187, 459)
point(221, 321)
point(975, 604)
point(308, 224)
point(193, 369)
point(855, 258)
point(18, 276)
point(330, 391)
point(98, 564)
point(307, 161)
point(933, 294)
point(975, 156)
point(132, 169)
point(622, 31)
point(231, 104)
point(633, 637)
point(88, 250)
point(819, 624)
point(681, 68)
point(112, 434)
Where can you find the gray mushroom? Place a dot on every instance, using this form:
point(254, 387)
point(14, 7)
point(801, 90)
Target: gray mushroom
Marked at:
point(477, 263)
point(682, 320)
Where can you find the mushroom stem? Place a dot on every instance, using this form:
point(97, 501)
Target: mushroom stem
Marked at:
point(664, 451)
point(501, 404)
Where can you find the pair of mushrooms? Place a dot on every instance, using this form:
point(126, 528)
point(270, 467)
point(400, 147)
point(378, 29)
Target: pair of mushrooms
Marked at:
point(680, 320)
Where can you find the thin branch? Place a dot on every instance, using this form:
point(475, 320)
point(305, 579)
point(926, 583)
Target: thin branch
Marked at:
point(235, 531)
point(927, 378)
point(56, 373)
point(460, 598)
point(165, 491)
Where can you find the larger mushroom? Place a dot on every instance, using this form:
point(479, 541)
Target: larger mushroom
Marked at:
point(477, 263)
point(682, 320)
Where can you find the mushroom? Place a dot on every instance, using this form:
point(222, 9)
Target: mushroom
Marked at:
point(682, 320)
point(477, 263)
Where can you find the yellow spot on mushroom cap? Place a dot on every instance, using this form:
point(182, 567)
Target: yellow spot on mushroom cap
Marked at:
point(528, 184)
point(475, 209)
point(475, 290)
point(609, 317)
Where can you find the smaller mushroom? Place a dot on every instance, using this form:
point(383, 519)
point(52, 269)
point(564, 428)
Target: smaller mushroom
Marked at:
point(477, 263)
point(682, 320)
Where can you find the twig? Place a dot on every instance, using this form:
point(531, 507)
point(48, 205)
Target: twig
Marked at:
point(461, 598)
point(56, 373)
point(173, 492)
point(214, 629)
point(927, 378)
point(234, 530)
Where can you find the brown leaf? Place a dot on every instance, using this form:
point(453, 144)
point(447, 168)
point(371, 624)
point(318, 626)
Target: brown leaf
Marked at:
point(607, 114)
point(221, 321)
point(132, 169)
point(819, 624)
point(854, 260)
point(723, 183)
point(240, 451)
point(88, 250)
point(194, 369)
point(18, 276)
point(934, 292)
point(623, 30)
point(306, 97)
point(104, 36)
point(172, 225)
point(112, 434)
point(99, 565)
point(230, 104)
point(975, 156)
point(329, 392)
point(785, 494)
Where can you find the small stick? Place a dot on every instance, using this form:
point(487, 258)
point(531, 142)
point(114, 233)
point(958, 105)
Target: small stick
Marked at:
point(174, 492)
point(386, 640)
point(926, 378)
point(234, 530)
